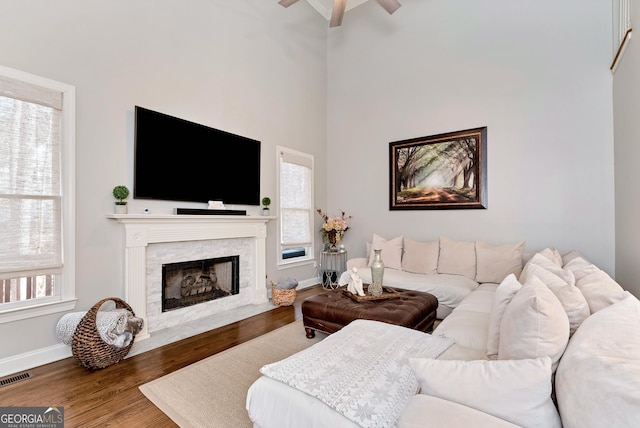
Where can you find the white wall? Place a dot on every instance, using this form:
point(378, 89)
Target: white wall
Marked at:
point(626, 105)
point(535, 73)
point(245, 66)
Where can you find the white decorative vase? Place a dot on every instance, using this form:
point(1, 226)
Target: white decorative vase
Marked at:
point(121, 209)
point(377, 272)
point(266, 211)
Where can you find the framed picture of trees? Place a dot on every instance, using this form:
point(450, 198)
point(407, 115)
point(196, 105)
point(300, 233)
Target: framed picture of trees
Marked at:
point(445, 171)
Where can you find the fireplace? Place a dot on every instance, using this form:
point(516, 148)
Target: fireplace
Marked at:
point(152, 240)
point(189, 283)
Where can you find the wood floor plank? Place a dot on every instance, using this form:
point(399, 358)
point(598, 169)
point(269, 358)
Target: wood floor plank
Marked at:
point(110, 397)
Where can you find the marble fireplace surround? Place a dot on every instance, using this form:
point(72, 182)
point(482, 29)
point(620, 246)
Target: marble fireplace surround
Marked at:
point(141, 230)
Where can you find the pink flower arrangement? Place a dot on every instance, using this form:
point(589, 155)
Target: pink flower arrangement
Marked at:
point(333, 228)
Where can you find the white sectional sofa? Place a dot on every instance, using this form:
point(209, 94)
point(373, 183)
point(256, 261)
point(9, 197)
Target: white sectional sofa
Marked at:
point(547, 342)
point(446, 268)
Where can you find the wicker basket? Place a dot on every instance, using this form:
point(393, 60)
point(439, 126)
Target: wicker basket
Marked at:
point(282, 297)
point(87, 346)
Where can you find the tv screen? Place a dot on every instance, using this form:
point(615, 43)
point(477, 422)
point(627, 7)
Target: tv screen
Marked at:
point(178, 160)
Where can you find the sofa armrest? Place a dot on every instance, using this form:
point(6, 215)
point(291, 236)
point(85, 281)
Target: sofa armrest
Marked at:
point(359, 262)
point(426, 411)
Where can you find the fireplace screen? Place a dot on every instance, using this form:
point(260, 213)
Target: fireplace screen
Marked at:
point(189, 283)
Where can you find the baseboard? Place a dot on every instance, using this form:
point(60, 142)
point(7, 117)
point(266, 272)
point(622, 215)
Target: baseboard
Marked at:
point(307, 283)
point(29, 360)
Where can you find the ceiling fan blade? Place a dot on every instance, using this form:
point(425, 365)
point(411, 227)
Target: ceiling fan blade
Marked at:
point(286, 3)
point(390, 5)
point(337, 12)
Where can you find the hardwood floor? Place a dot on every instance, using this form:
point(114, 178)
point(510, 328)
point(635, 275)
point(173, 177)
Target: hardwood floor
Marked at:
point(110, 397)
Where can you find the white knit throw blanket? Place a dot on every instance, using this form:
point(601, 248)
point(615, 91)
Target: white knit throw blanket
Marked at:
point(361, 372)
point(111, 326)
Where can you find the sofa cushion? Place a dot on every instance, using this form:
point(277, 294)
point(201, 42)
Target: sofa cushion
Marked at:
point(494, 263)
point(518, 391)
point(534, 324)
point(538, 260)
point(580, 267)
point(562, 284)
point(598, 379)
point(600, 290)
point(391, 251)
point(426, 411)
point(457, 257)
point(503, 295)
point(553, 255)
point(420, 257)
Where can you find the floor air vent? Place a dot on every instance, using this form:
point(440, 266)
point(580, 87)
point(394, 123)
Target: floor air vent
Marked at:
point(15, 378)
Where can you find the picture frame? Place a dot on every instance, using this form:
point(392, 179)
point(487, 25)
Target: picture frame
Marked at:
point(444, 171)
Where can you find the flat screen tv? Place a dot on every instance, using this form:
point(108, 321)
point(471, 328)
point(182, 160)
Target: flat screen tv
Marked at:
point(178, 160)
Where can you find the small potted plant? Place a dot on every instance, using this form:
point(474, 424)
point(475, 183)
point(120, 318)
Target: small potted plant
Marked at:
point(121, 193)
point(266, 201)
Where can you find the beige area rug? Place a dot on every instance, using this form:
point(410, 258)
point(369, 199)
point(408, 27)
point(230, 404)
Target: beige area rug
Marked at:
point(213, 392)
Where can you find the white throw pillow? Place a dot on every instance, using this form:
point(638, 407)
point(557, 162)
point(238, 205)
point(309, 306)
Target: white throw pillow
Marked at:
point(420, 257)
point(494, 263)
point(503, 295)
point(540, 260)
point(562, 283)
point(600, 290)
point(533, 325)
point(553, 255)
point(598, 379)
point(518, 391)
point(580, 267)
point(391, 251)
point(457, 257)
point(570, 255)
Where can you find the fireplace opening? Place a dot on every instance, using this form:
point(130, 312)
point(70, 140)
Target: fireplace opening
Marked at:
point(189, 283)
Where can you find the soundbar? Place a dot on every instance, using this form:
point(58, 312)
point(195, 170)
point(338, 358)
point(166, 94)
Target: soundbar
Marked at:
point(196, 211)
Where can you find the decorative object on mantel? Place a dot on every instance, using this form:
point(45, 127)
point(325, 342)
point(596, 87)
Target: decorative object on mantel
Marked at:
point(377, 273)
point(284, 293)
point(121, 193)
point(215, 205)
point(266, 201)
point(333, 228)
point(339, 7)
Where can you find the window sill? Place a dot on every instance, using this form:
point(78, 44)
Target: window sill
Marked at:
point(17, 314)
point(288, 264)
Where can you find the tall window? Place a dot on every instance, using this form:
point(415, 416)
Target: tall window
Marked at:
point(37, 134)
point(295, 174)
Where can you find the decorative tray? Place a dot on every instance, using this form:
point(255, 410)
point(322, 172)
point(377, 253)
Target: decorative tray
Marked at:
point(387, 293)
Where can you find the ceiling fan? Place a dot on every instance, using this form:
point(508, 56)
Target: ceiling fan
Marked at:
point(337, 12)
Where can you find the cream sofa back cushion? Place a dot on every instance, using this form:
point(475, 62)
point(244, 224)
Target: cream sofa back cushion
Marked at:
point(420, 257)
point(391, 253)
point(457, 257)
point(518, 391)
point(533, 325)
point(494, 263)
point(600, 290)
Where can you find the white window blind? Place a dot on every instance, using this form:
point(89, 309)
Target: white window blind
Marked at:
point(296, 195)
point(30, 179)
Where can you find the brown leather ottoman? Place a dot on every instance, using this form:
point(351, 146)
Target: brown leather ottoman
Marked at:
point(328, 312)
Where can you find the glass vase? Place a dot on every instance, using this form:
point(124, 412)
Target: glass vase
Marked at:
point(377, 272)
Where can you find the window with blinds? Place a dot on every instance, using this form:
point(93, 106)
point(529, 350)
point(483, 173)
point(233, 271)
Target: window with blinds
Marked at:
point(295, 173)
point(32, 118)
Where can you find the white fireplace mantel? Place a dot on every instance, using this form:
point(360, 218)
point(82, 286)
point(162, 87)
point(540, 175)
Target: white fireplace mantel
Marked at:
point(144, 229)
